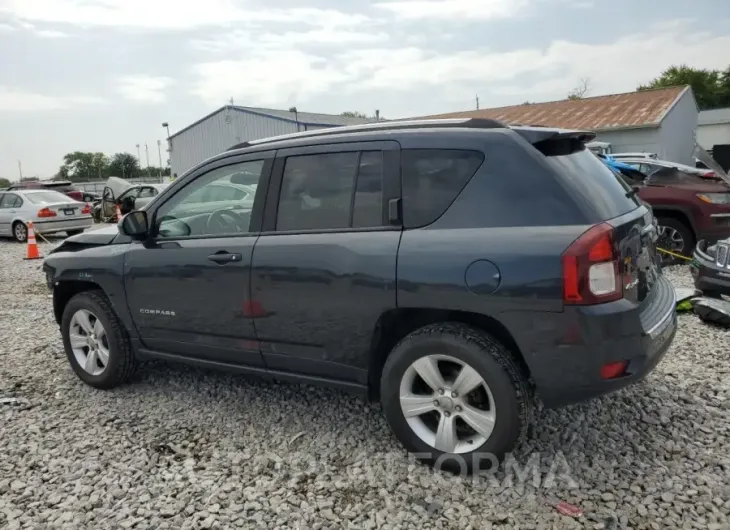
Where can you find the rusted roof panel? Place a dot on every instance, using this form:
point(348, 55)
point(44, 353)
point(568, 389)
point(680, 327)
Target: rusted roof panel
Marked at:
point(617, 111)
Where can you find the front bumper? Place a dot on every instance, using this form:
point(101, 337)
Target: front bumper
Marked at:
point(62, 225)
point(567, 367)
point(711, 274)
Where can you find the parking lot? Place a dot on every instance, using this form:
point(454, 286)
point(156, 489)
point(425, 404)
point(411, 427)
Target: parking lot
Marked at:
point(183, 448)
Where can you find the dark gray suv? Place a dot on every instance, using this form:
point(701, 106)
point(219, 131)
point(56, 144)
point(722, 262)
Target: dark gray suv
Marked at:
point(452, 269)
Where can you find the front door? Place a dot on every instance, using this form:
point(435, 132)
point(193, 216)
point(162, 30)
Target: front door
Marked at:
point(188, 286)
point(324, 271)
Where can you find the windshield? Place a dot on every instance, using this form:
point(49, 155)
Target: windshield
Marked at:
point(47, 197)
point(704, 157)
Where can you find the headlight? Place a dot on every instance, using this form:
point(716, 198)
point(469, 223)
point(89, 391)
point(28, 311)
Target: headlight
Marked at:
point(714, 198)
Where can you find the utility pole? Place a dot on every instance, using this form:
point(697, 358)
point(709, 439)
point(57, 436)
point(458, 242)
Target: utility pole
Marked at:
point(147, 155)
point(477, 101)
point(139, 158)
point(159, 153)
point(20, 170)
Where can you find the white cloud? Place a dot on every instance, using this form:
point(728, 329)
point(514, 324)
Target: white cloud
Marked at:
point(14, 100)
point(464, 10)
point(418, 80)
point(51, 34)
point(143, 88)
point(168, 14)
point(267, 78)
point(6, 28)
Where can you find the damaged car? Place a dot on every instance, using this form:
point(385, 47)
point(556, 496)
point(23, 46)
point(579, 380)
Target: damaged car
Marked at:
point(126, 195)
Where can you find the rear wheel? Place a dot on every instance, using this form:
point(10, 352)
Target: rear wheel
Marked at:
point(454, 397)
point(674, 236)
point(20, 232)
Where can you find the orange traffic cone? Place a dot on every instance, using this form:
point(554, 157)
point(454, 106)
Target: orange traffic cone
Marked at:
point(119, 213)
point(32, 252)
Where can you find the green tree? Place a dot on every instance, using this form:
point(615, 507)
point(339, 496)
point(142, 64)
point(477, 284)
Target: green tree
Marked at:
point(80, 166)
point(711, 87)
point(4, 183)
point(354, 114)
point(124, 165)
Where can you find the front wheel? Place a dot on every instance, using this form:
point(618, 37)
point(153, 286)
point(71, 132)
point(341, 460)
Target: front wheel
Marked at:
point(674, 236)
point(454, 397)
point(96, 343)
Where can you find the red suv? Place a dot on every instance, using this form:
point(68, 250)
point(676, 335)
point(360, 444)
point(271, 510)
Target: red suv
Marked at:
point(62, 186)
point(688, 208)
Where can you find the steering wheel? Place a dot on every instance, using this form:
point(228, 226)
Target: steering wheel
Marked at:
point(225, 221)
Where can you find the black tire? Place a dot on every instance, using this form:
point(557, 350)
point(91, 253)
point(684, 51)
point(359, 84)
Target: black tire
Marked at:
point(74, 232)
point(122, 362)
point(687, 236)
point(496, 366)
point(20, 232)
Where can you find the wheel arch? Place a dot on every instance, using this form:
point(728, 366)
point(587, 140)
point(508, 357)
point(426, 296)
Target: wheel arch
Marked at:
point(679, 214)
point(395, 324)
point(64, 290)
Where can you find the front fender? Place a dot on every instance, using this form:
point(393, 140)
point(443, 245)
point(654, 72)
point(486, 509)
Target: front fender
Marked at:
point(102, 267)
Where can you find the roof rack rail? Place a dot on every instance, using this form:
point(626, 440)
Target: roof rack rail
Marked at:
point(469, 123)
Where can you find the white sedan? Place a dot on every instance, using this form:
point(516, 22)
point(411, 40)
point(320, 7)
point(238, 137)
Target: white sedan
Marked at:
point(50, 212)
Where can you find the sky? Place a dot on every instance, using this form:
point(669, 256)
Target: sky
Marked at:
point(102, 75)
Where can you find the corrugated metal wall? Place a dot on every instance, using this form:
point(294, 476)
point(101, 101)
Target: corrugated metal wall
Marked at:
point(633, 140)
point(219, 132)
point(679, 131)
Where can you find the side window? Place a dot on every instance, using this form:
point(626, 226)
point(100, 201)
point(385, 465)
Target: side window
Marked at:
point(17, 203)
point(146, 192)
point(368, 205)
point(196, 211)
point(2, 199)
point(316, 191)
point(432, 179)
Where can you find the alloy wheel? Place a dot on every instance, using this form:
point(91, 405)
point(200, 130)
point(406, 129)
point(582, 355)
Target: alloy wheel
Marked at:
point(447, 404)
point(670, 239)
point(89, 342)
point(21, 232)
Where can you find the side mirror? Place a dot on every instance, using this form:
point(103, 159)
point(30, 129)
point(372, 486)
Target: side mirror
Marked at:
point(134, 224)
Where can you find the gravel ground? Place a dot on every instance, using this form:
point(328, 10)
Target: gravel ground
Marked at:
point(183, 448)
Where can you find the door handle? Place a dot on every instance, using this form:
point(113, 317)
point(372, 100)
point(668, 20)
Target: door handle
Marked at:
point(222, 257)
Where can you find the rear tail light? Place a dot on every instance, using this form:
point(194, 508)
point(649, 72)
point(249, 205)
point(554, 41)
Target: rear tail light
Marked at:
point(86, 210)
point(46, 212)
point(591, 271)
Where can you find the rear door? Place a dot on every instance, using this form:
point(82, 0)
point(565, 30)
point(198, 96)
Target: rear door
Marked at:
point(324, 270)
point(188, 285)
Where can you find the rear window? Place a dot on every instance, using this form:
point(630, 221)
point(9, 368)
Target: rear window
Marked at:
point(46, 197)
point(593, 183)
point(432, 179)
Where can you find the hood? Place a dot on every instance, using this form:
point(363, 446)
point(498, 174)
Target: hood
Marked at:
point(117, 185)
point(102, 236)
point(674, 178)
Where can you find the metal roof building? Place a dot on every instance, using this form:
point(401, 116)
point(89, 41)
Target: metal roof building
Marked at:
point(662, 121)
point(233, 124)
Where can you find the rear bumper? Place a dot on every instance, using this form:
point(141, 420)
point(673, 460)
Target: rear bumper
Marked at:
point(62, 225)
point(565, 359)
